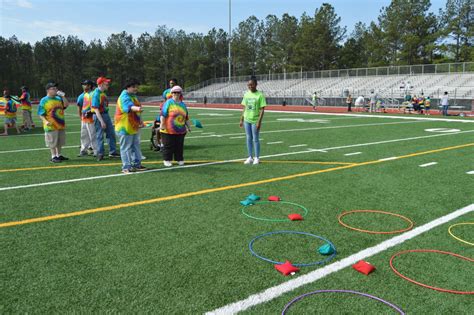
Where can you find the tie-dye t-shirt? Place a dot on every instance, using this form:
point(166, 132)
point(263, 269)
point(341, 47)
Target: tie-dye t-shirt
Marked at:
point(25, 101)
point(84, 102)
point(100, 101)
point(10, 110)
point(52, 108)
point(167, 94)
point(176, 115)
point(127, 122)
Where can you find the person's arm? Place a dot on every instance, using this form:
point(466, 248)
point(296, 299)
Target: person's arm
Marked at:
point(96, 105)
point(263, 103)
point(260, 117)
point(163, 115)
point(188, 125)
point(243, 112)
point(80, 101)
point(42, 114)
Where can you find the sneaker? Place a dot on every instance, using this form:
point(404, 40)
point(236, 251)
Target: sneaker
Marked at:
point(167, 163)
point(181, 163)
point(55, 160)
point(100, 157)
point(82, 154)
point(256, 161)
point(114, 155)
point(63, 158)
point(143, 157)
point(127, 171)
point(140, 168)
point(249, 160)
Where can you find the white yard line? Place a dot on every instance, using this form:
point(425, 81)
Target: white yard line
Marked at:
point(239, 137)
point(428, 164)
point(350, 115)
point(240, 133)
point(470, 173)
point(389, 158)
point(288, 286)
point(324, 150)
point(275, 142)
point(353, 153)
point(298, 145)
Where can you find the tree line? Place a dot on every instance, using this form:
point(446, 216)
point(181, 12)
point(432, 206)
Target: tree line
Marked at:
point(405, 32)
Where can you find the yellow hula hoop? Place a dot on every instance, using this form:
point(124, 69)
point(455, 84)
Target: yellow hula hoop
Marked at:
point(454, 236)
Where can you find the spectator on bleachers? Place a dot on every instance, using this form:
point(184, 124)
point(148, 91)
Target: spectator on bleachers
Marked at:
point(349, 103)
point(373, 101)
point(427, 105)
point(315, 100)
point(414, 103)
point(445, 103)
point(360, 101)
point(421, 104)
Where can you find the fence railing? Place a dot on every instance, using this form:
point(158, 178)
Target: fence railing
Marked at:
point(443, 68)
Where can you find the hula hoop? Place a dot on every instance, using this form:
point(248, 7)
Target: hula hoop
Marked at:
point(422, 284)
point(298, 298)
point(458, 238)
point(411, 224)
point(292, 232)
point(273, 220)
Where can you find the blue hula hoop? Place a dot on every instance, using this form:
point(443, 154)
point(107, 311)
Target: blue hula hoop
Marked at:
point(292, 232)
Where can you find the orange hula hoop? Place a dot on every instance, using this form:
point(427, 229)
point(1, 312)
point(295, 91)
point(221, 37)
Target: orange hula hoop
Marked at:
point(411, 224)
point(422, 284)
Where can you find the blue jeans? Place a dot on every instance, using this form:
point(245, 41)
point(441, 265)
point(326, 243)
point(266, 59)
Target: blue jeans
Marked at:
point(130, 151)
point(252, 139)
point(445, 110)
point(109, 134)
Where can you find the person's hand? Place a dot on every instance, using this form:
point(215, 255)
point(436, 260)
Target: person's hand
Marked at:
point(49, 124)
point(258, 126)
point(189, 129)
point(103, 125)
point(241, 124)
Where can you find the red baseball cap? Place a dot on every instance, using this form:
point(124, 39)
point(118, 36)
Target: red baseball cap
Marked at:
point(101, 80)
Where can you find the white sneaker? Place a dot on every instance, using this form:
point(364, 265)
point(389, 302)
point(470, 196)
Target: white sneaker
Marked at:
point(249, 160)
point(167, 163)
point(181, 163)
point(143, 157)
point(256, 161)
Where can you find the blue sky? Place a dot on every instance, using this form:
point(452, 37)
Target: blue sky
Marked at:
point(32, 20)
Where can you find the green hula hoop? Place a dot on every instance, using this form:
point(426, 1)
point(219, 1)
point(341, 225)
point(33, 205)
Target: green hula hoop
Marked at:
point(273, 220)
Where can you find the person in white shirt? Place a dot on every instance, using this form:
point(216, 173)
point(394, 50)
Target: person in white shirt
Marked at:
point(360, 101)
point(445, 103)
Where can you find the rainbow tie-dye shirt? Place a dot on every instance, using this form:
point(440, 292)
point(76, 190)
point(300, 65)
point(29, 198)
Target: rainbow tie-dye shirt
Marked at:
point(25, 101)
point(100, 101)
point(84, 102)
point(127, 122)
point(176, 115)
point(10, 110)
point(52, 108)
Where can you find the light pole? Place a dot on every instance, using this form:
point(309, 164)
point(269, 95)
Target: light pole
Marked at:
point(230, 38)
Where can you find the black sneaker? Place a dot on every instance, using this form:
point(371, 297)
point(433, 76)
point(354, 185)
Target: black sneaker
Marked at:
point(82, 154)
point(55, 160)
point(140, 168)
point(100, 157)
point(63, 158)
point(114, 155)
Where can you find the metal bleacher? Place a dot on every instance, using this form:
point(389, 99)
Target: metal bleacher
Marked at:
point(390, 83)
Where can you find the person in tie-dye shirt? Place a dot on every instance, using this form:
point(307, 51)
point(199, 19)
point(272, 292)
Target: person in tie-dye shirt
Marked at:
point(167, 93)
point(10, 115)
point(51, 111)
point(26, 109)
point(174, 125)
point(88, 135)
point(127, 126)
point(102, 121)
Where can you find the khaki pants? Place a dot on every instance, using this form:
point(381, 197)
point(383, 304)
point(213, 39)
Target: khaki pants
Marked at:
point(88, 137)
point(55, 139)
point(27, 119)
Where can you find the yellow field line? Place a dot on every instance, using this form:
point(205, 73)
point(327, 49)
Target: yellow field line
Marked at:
point(218, 189)
point(39, 168)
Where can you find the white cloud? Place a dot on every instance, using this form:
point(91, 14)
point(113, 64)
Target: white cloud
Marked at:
point(24, 4)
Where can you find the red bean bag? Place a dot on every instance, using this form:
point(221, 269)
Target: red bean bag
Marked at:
point(295, 217)
point(363, 267)
point(287, 268)
point(274, 198)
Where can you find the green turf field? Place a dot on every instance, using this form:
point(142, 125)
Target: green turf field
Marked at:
point(82, 237)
